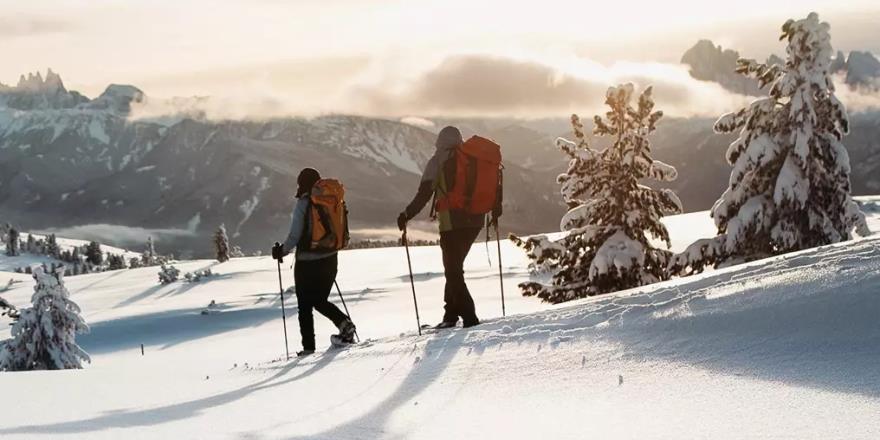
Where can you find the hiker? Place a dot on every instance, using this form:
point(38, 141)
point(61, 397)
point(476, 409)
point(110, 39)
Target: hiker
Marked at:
point(459, 228)
point(314, 270)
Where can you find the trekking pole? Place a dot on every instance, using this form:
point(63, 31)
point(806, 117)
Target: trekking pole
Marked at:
point(283, 313)
point(500, 272)
point(345, 307)
point(412, 282)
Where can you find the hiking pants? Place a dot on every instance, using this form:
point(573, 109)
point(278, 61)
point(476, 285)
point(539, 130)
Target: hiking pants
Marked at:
point(455, 245)
point(314, 281)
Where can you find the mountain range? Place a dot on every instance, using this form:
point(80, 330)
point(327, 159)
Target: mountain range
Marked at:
point(67, 161)
point(87, 168)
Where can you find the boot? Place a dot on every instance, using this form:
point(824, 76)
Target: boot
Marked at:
point(346, 332)
point(304, 352)
point(446, 324)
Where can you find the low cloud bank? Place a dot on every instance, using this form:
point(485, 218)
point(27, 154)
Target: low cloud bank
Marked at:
point(480, 86)
point(120, 235)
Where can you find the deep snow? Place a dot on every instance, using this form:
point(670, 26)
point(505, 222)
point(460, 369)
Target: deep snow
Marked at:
point(781, 348)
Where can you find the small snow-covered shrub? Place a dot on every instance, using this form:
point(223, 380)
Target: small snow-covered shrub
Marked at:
point(168, 274)
point(195, 277)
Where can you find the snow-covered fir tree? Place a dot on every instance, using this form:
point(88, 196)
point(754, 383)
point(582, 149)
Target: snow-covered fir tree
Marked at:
point(148, 257)
point(12, 242)
point(30, 245)
point(221, 244)
point(606, 246)
point(94, 254)
point(134, 263)
point(52, 248)
point(789, 188)
point(168, 274)
point(44, 335)
point(115, 262)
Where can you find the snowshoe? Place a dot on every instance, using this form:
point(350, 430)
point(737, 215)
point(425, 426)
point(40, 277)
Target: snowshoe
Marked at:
point(339, 341)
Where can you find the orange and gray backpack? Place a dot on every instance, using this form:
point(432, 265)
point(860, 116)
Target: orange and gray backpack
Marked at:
point(476, 177)
point(328, 217)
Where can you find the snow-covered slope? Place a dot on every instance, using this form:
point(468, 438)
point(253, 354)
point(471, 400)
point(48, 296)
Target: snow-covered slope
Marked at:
point(781, 348)
point(9, 264)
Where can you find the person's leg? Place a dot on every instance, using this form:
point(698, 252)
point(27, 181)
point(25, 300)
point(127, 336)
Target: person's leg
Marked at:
point(454, 278)
point(325, 275)
point(301, 276)
point(466, 307)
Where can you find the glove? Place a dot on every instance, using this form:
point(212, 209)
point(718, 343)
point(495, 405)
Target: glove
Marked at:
point(496, 214)
point(278, 251)
point(401, 221)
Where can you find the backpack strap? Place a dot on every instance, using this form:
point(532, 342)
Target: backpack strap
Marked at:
point(305, 239)
point(448, 173)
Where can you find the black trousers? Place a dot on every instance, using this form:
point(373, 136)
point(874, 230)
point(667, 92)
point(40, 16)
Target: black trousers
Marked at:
point(455, 245)
point(314, 282)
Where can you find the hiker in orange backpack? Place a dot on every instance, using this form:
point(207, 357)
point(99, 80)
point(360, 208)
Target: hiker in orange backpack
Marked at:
point(318, 230)
point(464, 178)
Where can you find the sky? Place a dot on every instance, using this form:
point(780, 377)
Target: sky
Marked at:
point(371, 56)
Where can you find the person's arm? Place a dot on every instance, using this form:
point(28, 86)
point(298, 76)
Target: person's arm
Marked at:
point(422, 197)
point(296, 225)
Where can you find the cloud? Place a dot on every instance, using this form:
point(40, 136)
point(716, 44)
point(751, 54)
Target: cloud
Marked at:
point(120, 235)
point(470, 85)
point(860, 99)
point(30, 26)
point(459, 85)
point(482, 85)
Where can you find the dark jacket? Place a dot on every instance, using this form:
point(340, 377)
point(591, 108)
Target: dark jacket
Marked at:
point(435, 178)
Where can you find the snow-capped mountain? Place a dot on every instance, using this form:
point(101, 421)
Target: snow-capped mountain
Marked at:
point(68, 161)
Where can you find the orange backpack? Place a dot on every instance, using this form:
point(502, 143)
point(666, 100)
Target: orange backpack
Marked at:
point(328, 216)
point(476, 177)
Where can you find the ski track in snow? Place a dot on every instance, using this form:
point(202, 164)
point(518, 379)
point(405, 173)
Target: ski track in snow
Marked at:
point(779, 348)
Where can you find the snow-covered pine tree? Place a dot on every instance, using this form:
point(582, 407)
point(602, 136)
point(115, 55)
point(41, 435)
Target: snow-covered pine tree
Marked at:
point(44, 335)
point(52, 248)
point(606, 245)
point(30, 246)
point(12, 242)
point(148, 257)
point(94, 254)
point(221, 244)
point(115, 262)
point(789, 188)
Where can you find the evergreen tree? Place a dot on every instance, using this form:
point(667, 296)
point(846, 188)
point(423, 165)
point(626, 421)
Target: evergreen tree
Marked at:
point(94, 254)
point(12, 242)
point(30, 247)
point(44, 336)
point(606, 245)
point(134, 263)
point(149, 255)
point(789, 188)
point(52, 248)
point(221, 244)
point(115, 262)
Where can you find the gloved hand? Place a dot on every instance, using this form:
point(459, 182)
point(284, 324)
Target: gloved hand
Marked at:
point(496, 214)
point(278, 251)
point(401, 221)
